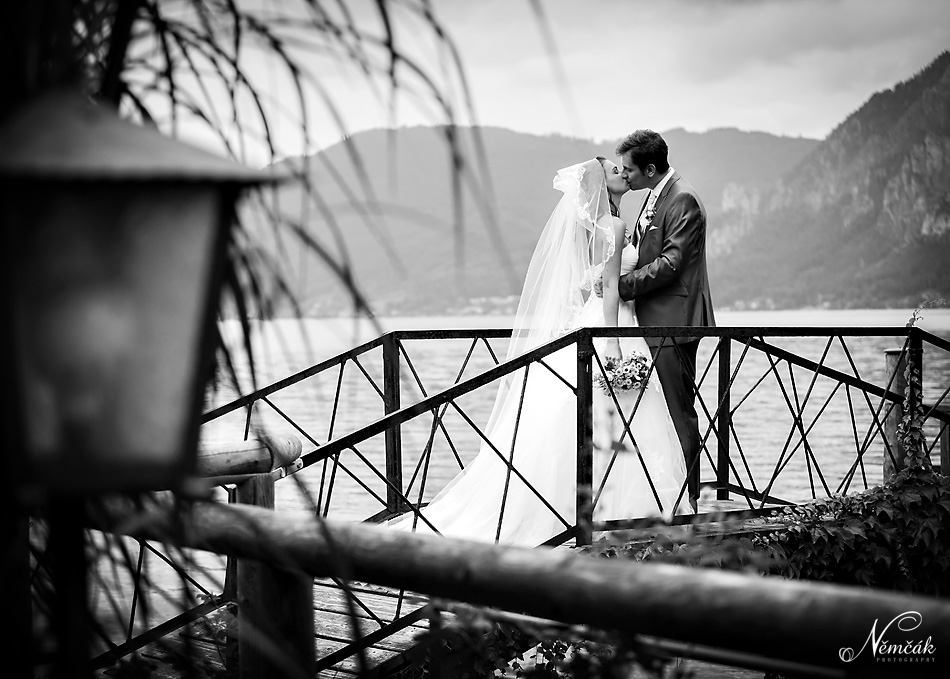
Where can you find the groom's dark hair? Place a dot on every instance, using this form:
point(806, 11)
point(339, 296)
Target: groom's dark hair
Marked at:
point(647, 147)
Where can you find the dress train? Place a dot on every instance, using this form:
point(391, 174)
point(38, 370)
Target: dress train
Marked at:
point(487, 502)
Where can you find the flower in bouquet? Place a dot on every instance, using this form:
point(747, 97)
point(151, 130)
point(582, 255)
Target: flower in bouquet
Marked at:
point(624, 374)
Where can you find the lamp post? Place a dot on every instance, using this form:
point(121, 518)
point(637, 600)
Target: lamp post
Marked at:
point(114, 242)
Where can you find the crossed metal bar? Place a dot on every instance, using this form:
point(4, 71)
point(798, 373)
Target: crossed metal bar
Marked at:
point(720, 416)
point(720, 427)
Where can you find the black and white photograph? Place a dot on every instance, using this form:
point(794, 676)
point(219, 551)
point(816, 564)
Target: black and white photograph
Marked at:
point(475, 339)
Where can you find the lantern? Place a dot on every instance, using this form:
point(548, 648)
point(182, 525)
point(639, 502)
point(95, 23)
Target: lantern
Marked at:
point(114, 241)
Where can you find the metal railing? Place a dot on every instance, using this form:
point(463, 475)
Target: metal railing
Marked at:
point(729, 382)
point(390, 443)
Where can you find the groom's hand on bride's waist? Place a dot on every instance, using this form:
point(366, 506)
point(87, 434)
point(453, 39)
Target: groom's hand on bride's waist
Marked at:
point(599, 287)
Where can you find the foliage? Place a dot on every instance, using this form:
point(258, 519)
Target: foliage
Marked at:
point(478, 643)
point(894, 536)
point(724, 549)
point(910, 430)
point(211, 69)
point(918, 315)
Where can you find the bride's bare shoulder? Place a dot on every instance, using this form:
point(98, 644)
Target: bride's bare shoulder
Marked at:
point(616, 225)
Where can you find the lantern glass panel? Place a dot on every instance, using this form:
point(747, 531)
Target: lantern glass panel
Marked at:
point(112, 303)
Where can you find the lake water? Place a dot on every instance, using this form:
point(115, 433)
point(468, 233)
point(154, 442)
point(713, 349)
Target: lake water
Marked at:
point(766, 436)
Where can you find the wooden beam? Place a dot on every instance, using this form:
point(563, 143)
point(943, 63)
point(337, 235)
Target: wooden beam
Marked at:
point(768, 616)
point(255, 456)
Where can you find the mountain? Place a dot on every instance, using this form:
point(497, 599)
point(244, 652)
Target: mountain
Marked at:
point(409, 258)
point(863, 221)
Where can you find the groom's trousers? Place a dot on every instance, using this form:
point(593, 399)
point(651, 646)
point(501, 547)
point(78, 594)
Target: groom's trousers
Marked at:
point(676, 368)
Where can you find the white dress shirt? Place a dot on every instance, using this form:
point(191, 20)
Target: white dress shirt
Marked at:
point(651, 202)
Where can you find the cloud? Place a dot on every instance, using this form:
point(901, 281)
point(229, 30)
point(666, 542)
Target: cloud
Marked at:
point(784, 66)
point(794, 67)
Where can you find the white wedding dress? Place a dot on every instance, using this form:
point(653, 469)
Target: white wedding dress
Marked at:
point(488, 502)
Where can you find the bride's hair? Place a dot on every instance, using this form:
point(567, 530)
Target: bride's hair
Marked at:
point(647, 148)
point(614, 210)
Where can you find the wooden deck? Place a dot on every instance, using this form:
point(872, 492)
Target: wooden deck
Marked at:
point(390, 646)
point(169, 658)
point(389, 624)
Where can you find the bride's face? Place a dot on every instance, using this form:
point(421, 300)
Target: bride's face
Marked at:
point(615, 183)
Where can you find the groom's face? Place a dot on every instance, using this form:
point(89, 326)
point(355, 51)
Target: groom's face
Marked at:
point(635, 177)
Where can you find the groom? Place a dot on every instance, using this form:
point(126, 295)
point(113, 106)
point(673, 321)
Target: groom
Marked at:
point(670, 286)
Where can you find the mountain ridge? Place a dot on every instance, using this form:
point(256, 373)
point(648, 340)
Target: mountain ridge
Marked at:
point(869, 208)
point(859, 219)
point(411, 176)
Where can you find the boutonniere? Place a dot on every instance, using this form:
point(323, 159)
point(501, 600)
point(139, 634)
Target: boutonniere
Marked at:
point(647, 219)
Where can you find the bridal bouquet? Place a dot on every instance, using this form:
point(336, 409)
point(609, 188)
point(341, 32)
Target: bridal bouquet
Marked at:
point(624, 374)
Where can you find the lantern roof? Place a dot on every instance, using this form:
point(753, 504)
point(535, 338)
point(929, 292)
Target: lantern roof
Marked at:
point(65, 136)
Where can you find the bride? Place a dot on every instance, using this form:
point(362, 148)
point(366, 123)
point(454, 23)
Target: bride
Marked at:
point(521, 487)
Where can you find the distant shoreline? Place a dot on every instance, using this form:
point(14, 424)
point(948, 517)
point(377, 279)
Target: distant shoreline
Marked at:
point(934, 320)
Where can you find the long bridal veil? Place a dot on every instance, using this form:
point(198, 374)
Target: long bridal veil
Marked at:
point(574, 245)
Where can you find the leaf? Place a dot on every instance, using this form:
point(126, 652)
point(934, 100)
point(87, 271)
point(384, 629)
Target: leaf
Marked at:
point(883, 555)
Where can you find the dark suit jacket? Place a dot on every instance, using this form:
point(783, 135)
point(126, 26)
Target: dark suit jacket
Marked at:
point(670, 285)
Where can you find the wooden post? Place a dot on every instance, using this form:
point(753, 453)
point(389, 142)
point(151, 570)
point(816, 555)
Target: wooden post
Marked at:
point(584, 515)
point(945, 451)
point(895, 360)
point(233, 633)
point(894, 375)
point(275, 606)
point(916, 357)
point(393, 436)
point(725, 419)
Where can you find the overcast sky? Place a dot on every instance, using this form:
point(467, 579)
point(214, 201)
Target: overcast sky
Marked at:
point(789, 67)
point(793, 67)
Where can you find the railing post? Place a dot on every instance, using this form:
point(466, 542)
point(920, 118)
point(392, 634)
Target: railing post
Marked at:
point(393, 436)
point(724, 422)
point(275, 606)
point(585, 439)
point(945, 447)
point(896, 360)
point(915, 357)
point(231, 660)
point(894, 375)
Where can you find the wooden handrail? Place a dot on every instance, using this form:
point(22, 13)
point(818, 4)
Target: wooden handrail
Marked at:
point(767, 616)
point(259, 455)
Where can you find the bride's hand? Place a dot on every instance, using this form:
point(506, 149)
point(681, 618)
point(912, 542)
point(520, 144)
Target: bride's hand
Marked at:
point(612, 349)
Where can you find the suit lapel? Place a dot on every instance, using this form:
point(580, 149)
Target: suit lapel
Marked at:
point(666, 190)
point(658, 206)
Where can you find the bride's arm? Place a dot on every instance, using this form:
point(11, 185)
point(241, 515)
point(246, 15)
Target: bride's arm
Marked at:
point(611, 290)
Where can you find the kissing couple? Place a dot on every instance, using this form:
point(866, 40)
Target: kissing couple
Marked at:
point(591, 268)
